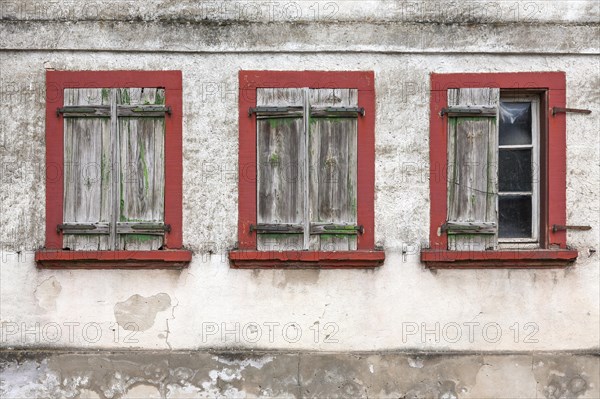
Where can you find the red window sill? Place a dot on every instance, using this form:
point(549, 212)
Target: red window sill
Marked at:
point(540, 258)
point(168, 259)
point(249, 259)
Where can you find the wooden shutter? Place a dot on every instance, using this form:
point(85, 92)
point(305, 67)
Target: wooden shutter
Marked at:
point(280, 169)
point(142, 167)
point(87, 172)
point(332, 157)
point(472, 169)
point(114, 169)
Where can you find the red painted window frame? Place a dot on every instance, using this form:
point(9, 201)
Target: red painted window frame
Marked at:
point(52, 255)
point(553, 250)
point(246, 255)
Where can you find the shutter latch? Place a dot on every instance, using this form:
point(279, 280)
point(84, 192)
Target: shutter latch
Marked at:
point(559, 110)
point(558, 227)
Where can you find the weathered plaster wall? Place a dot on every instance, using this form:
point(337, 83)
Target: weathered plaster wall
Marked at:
point(297, 375)
point(369, 308)
point(399, 306)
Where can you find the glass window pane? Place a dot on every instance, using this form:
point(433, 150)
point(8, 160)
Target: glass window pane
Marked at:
point(514, 170)
point(515, 123)
point(514, 219)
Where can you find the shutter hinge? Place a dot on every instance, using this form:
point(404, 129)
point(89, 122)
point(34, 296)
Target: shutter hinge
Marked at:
point(319, 111)
point(76, 227)
point(276, 110)
point(558, 227)
point(558, 110)
point(469, 111)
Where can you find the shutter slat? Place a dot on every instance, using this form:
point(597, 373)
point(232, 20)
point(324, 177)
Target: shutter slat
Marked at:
point(472, 171)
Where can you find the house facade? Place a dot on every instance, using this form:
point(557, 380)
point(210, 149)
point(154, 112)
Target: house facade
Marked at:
point(299, 199)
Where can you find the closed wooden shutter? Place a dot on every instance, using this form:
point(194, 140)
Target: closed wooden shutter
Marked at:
point(307, 169)
point(114, 169)
point(472, 169)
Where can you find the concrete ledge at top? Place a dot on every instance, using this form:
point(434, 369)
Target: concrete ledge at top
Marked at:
point(237, 36)
point(429, 11)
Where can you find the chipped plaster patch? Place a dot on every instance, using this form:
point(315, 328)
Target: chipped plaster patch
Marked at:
point(138, 313)
point(47, 292)
point(415, 363)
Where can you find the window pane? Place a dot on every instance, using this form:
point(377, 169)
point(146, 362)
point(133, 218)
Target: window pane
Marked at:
point(514, 170)
point(514, 216)
point(515, 123)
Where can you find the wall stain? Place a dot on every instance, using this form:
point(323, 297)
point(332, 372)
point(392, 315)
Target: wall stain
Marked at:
point(138, 313)
point(47, 292)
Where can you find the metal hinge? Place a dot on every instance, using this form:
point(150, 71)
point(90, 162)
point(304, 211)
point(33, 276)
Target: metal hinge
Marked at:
point(469, 228)
point(103, 111)
point(329, 228)
point(559, 110)
point(469, 111)
point(358, 110)
point(558, 227)
point(319, 111)
point(273, 110)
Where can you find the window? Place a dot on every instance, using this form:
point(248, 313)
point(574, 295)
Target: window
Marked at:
point(498, 160)
point(306, 167)
point(518, 171)
point(113, 181)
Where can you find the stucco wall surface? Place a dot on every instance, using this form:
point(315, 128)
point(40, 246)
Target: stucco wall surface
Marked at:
point(150, 374)
point(401, 305)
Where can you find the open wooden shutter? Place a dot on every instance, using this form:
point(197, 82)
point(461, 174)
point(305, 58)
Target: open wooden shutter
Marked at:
point(472, 169)
point(141, 135)
point(87, 170)
point(333, 169)
point(280, 169)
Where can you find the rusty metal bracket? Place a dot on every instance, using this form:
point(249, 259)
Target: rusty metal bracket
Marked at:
point(78, 227)
point(275, 228)
point(558, 227)
point(469, 111)
point(559, 110)
point(258, 110)
point(358, 110)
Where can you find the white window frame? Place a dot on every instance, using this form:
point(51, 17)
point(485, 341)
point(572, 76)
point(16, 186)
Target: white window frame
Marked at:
point(533, 241)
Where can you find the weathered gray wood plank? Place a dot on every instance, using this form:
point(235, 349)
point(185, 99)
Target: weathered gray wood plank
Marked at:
point(280, 172)
point(472, 168)
point(87, 157)
point(332, 157)
point(142, 168)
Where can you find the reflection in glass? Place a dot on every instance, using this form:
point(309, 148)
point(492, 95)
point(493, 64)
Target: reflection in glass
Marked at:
point(515, 123)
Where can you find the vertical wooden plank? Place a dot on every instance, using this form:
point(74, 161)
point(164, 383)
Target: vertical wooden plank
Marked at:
point(141, 146)
point(472, 177)
point(280, 173)
point(86, 185)
point(306, 166)
point(333, 159)
point(116, 170)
